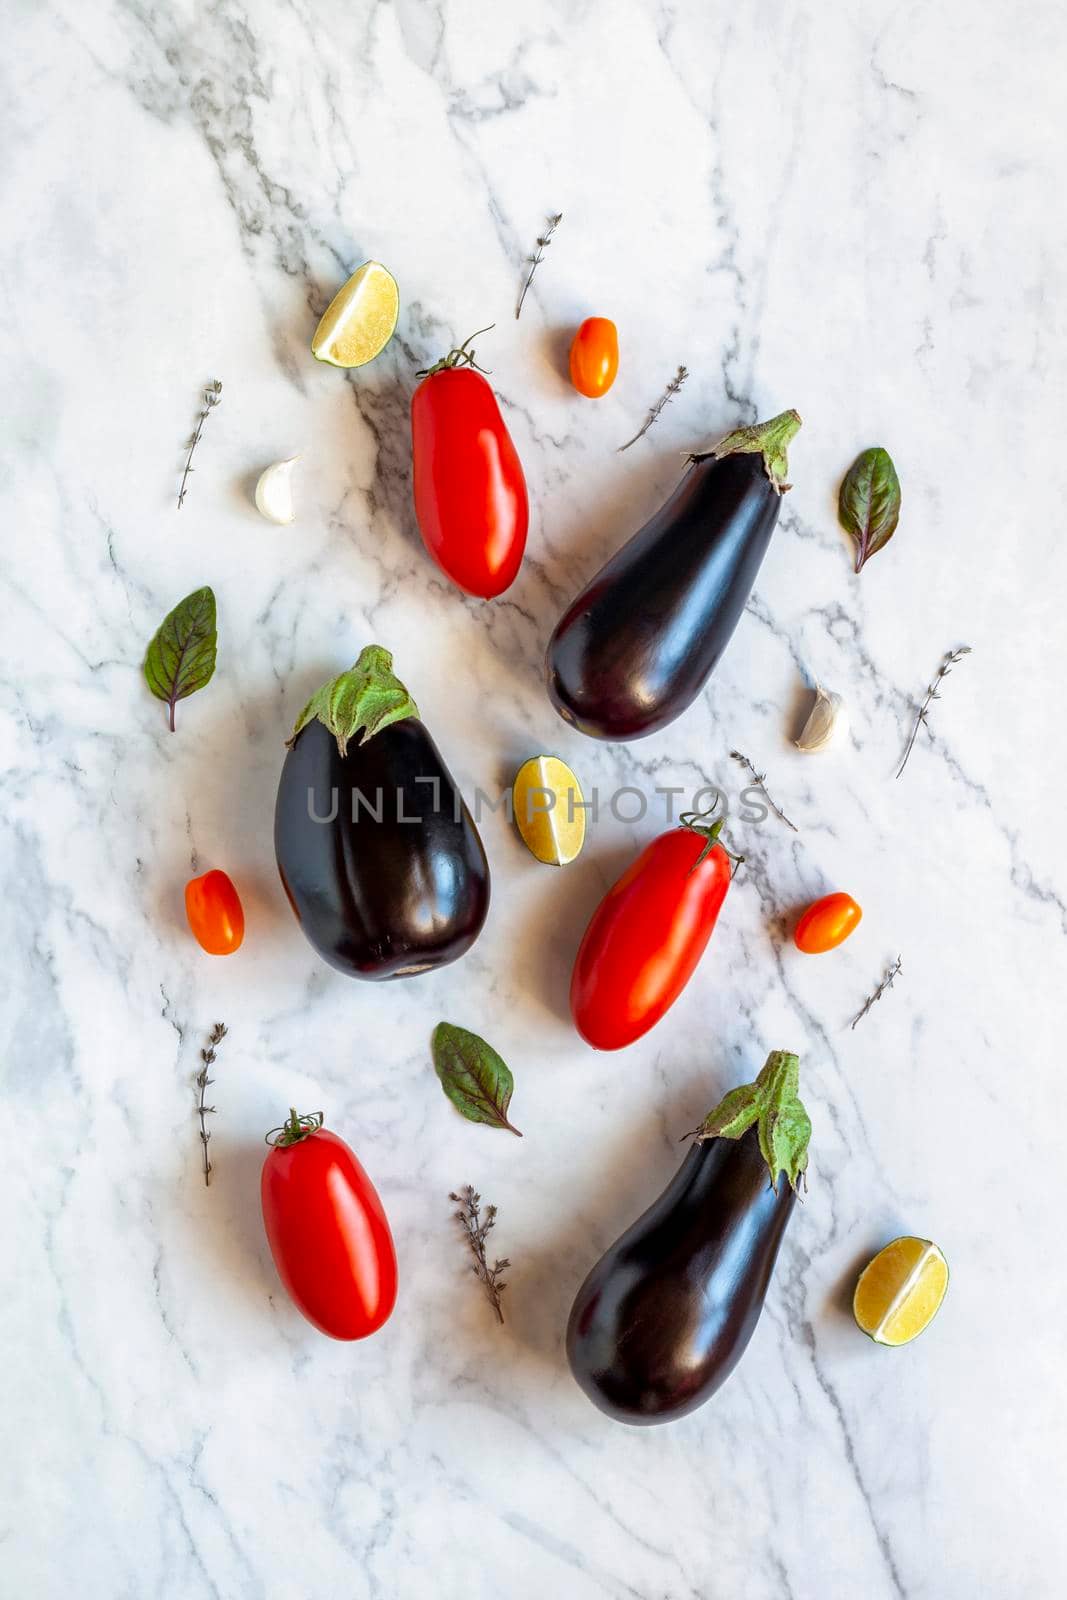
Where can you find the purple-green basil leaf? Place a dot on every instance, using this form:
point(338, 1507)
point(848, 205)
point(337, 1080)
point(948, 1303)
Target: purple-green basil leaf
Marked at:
point(473, 1076)
point(181, 658)
point(869, 502)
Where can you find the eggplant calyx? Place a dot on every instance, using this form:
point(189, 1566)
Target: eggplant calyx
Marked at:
point(295, 1129)
point(774, 1105)
point(459, 356)
point(363, 700)
point(709, 831)
point(767, 439)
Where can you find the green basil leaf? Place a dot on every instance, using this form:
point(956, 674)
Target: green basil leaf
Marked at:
point(181, 657)
point(869, 502)
point(473, 1076)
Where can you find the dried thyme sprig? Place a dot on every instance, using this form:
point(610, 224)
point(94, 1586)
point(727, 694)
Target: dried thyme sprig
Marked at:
point(536, 259)
point(476, 1228)
point(886, 983)
point(665, 398)
point(212, 396)
point(207, 1056)
point(760, 779)
point(951, 658)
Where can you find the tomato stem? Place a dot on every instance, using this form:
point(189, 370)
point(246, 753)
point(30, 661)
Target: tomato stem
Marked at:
point(298, 1127)
point(694, 821)
point(458, 356)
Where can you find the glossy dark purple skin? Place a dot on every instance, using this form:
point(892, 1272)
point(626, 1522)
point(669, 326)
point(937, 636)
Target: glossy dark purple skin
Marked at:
point(388, 898)
point(665, 1315)
point(638, 644)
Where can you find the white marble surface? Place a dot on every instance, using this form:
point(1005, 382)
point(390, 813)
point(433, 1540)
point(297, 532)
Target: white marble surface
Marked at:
point(853, 208)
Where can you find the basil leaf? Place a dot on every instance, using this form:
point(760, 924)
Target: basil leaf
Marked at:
point(181, 658)
point(473, 1076)
point(869, 502)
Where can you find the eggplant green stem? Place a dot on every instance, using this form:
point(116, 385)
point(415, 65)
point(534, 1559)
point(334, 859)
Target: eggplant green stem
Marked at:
point(363, 700)
point(774, 1105)
point(767, 439)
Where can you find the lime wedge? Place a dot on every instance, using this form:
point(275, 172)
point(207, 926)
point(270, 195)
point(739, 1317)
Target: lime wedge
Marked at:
point(899, 1292)
point(360, 320)
point(548, 810)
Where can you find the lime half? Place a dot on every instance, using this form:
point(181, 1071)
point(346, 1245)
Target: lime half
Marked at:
point(360, 320)
point(899, 1292)
point(548, 809)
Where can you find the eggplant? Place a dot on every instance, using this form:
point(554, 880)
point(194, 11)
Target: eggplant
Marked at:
point(665, 1315)
point(640, 641)
point(378, 855)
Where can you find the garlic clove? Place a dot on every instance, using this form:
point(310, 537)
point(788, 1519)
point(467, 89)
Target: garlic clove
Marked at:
point(827, 722)
point(274, 492)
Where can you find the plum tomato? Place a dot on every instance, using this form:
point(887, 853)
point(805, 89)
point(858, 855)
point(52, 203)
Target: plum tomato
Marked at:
point(826, 924)
point(648, 934)
point(594, 357)
point(215, 913)
point(327, 1231)
point(471, 502)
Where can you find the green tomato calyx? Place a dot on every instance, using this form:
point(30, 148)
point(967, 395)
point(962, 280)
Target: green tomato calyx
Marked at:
point(296, 1128)
point(458, 356)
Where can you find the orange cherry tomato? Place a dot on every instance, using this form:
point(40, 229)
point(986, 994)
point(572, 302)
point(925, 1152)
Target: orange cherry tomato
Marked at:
point(215, 913)
point(826, 924)
point(595, 357)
